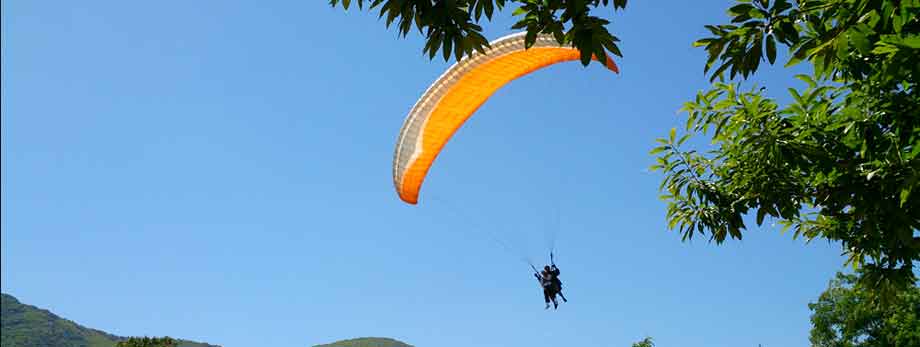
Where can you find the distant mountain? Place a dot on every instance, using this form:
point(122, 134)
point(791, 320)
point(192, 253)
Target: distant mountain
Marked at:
point(24, 325)
point(367, 342)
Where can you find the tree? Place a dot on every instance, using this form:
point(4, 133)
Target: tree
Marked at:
point(148, 342)
point(847, 315)
point(451, 26)
point(839, 162)
point(646, 342)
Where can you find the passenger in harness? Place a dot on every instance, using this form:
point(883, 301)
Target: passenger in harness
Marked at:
point(546, 282)
point(549, 281)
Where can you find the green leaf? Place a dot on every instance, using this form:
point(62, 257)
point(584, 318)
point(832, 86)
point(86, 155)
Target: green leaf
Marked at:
point(912, 41)
point(859, 40)
point(435, 42)
point(612, 47)
point(740, 9)
point(489, 7)
point(659, 149)
point(807, 79)
point(530, 38)
point(703, 42)
point(448, 45)
point(884, 48)
point(459, 48)
point(719, 71)
point(771, 49)
point(585, 56)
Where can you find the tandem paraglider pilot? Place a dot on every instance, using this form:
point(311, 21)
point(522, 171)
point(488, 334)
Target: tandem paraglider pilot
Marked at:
point(549, 281)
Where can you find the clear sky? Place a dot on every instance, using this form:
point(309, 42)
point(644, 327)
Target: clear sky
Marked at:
point(220, 171)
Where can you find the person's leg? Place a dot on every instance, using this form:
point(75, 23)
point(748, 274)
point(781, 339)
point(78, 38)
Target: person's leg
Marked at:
point(546, 296)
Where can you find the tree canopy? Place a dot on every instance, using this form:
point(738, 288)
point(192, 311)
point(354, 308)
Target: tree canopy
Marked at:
point(646, 342)
point(839, 162)
point(148, 342)
point(847, 315)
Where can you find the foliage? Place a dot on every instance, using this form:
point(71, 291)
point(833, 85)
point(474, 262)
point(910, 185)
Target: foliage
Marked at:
point(148, 342)
point(839, 162)
point(451, 26)
point(646, 342)
point(847, 315)
point(367, 342)
point(28, 326)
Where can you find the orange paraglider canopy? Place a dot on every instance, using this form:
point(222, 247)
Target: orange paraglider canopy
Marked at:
point(457, 94)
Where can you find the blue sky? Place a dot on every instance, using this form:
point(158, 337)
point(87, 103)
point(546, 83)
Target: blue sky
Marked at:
point(220, 171)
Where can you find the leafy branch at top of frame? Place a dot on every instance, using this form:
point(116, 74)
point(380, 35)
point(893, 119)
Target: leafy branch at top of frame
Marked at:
point(451, 26)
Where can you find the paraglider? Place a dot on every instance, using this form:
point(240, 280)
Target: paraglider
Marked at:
point(454, 97)
point(458, 93)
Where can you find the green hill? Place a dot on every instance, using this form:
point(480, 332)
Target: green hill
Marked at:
point(28, 326)
point(367, 342)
